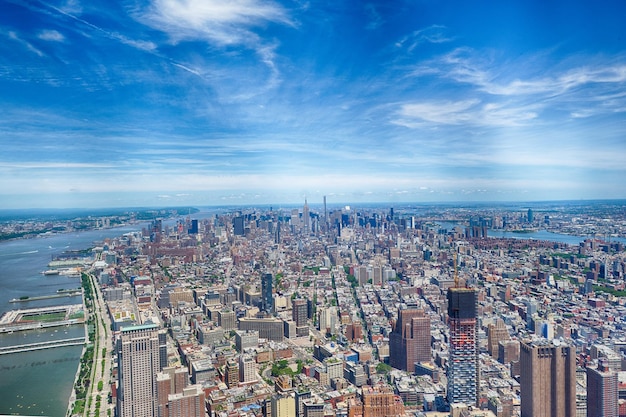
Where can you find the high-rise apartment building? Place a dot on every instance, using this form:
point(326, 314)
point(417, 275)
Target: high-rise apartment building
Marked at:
point(283, 406)
point(327, 319)
point(231, 373)
point(463, 371)
point(354, 331)
point(409, 342)
point(175, 397)
point(188, 403)
point(301, 396)
point(247, 369)
point(138, 364)
point(547, 379)
point(602, 391)
point(267, 301)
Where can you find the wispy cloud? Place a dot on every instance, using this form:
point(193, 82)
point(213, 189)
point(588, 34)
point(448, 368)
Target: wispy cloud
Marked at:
point(51, 35)
point(431, 34)
point(471, 112)
point(218, 21)
point(374, 17)
point(223, 24)
point(15, 37)
point(472, 67)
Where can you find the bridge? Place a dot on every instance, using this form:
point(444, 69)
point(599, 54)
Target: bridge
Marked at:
point(27, 347)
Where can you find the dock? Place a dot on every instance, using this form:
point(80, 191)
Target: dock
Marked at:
point(39, 318)
point(46, 297)
point(28, 347)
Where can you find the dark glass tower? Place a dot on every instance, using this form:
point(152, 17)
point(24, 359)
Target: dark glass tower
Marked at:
point(267, 301)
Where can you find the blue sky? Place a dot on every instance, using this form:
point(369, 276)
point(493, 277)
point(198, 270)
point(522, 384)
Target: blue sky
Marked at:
point(175, 102)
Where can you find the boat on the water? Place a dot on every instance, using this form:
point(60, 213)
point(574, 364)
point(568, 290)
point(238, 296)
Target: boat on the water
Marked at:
point(51, 272)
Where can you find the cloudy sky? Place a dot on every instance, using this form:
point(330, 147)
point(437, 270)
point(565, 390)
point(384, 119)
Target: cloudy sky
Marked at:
point(172, 102)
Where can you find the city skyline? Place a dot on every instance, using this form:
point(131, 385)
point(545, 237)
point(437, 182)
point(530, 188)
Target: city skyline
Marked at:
point(170, 103)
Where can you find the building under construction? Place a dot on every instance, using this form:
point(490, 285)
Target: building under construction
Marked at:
point(463, 372)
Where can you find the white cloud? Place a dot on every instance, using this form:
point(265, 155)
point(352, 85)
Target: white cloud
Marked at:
point(463, 112)
point(14, 36)
point(465, 65)
point(51, 35)
point(219, 21)
point(431, 34)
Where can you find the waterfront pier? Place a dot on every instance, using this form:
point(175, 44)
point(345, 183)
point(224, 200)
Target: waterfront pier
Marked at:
point(27, 347)
point(39, 318)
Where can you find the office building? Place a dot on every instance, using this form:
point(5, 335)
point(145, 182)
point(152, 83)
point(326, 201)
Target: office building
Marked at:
point(547, 379)
point(246, 340)
point(463, 371)
point(497, 333)
point(227, 319)
point(193, 230)
point(380, 401)
point(271, 328)
point(409, 342)
point(306, 217)
point(238, 227)
point(138, 364)
point(602, 391)
point(267, 301)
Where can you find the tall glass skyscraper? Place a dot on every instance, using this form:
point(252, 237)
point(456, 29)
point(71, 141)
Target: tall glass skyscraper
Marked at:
point(463, 372)
point(267, 301)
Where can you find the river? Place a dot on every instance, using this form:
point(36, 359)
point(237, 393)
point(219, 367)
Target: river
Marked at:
point(535, 235)
point(40, 382)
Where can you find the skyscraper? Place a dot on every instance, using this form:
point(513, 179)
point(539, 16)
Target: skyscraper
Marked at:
point(409, 342)
point(463, 372)
point(139, 363)
point(267, 301)
point(602, 391)
point(547, 379)
point(306, 217)
point(238, 227)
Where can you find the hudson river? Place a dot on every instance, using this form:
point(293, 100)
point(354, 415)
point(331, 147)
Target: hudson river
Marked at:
point(40, 382)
